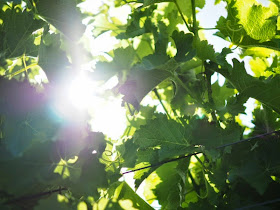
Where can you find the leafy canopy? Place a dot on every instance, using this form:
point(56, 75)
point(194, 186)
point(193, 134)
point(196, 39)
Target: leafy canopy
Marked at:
point(187, 148)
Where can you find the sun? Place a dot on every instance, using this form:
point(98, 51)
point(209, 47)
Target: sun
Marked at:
point(81, 96)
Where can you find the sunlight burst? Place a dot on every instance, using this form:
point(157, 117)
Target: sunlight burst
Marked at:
point(84, 96)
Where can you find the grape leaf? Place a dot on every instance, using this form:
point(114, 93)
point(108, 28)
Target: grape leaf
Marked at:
point(121, 196)
point(129, 199)
point(256, 19)
point(221, 94)
point(183, 43)
point(204, 51)
point(16, 32)
point(165, 177)
point(102, 23)
point(52, 202)
point(212, 135)
point(169, 135)
point(34, 169)
point(135, 28)
point(129, 153)
point(232, 30)
point(266, 91)
point(253, 174)
point(87, 173)
point(26, 118)
point(186, 6)
point(52, 58)
point(124, 58)
point(92, 175)
point(63, 15)
point(144, 78)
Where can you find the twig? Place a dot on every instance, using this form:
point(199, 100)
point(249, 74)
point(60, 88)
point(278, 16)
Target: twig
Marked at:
point(182, 15)
point(160, 101)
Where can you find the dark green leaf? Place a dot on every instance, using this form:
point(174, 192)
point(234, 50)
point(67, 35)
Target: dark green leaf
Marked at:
point(183, 43)
point(62, 14)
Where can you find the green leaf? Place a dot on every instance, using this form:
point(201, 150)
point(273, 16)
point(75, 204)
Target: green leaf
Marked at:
point(92, 176)
point(129, 199)
point(122, 62)
point(183, 43)
point(213, 135)
point(121, 196)
point(253, 174)
point(150, 2)
point(256, 19)
point(266, 91)
point(52, 202)
point(262, 35)
point(52, 58)
point(129, 153)
point(204, 51)
point(221, 94)
point(34, 170)
point(16, 32)
point(19, 133)
point(139, 23)
point(265, 120)
point(102, 23)
point(166, 186)
point(170, 136)
point(63, 15)
point(144, 78)
point(25, 116)
point(186, 6)
point(87, 173)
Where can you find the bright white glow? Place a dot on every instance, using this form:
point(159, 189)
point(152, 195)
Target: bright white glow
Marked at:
point(91, 6)
point(84, 96)
point(81, 92)
point(108, 116)
point(248, 117)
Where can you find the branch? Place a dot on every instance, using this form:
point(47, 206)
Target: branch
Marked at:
point(187, 156)
point(34, 196)
point(259, 204)
point(194, 18)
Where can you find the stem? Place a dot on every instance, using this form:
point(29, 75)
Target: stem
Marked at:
point(208, 74)
point(130, 110)
point(22, 70)
point(194, 18)
point(265, 118)
point(177, 79)
point(159, 98)
point(196, 187)
point(182, 15)
point(202, 164)
point(207, 29)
